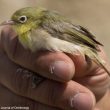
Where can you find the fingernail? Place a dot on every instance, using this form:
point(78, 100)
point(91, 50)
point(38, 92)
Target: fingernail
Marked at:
point(62, 70)
point(82, 101)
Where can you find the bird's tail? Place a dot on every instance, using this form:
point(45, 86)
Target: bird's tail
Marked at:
point(96, 58)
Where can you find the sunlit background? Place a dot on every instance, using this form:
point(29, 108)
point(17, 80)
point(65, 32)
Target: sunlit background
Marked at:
point(93, 14)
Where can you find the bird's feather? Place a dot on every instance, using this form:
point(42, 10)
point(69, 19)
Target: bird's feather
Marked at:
point(66, 30)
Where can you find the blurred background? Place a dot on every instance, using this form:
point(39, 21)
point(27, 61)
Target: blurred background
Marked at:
point(92, 14)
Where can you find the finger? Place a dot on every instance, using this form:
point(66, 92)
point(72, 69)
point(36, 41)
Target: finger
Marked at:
point(68, 96)
point(10, 100)
point(85, 66)
point(81, 66)
point(57, 66)
point(62, 95)
point(92, 76)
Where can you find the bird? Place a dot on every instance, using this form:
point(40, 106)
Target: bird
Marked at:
point(42, 29)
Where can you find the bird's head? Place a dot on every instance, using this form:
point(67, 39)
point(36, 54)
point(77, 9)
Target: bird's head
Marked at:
point(25, 19)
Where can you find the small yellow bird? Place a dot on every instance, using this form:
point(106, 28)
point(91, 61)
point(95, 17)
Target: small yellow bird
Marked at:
point(39, 28)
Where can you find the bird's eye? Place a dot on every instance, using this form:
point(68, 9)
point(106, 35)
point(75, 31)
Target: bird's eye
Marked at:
point(22, 19)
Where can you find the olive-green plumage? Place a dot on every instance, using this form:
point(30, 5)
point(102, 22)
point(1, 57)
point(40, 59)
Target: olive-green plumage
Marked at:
point(39, 28)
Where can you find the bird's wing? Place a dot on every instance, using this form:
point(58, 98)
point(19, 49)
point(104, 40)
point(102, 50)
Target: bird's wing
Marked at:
point(66, 30)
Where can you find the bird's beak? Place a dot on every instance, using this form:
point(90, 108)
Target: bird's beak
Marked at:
point(9, 22)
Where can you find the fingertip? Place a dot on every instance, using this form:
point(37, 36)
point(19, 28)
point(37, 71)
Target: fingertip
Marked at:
point(6, 30)
point(7, 34)
point(63, 70)
point(83, 101)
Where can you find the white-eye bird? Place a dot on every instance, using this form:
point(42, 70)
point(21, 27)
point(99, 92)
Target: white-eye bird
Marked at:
point(41, 29)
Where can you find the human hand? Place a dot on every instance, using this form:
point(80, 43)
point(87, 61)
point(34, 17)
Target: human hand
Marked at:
point(56, 66)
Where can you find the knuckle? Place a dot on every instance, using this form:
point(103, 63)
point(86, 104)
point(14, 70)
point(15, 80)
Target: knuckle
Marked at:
point(56, 96)
point(20, 83)
point(12, 49)
point(53, 96)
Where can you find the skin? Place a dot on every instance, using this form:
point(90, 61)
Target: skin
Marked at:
point(90, 83)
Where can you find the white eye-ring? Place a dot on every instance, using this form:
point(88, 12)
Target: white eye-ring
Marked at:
point(22, 19)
